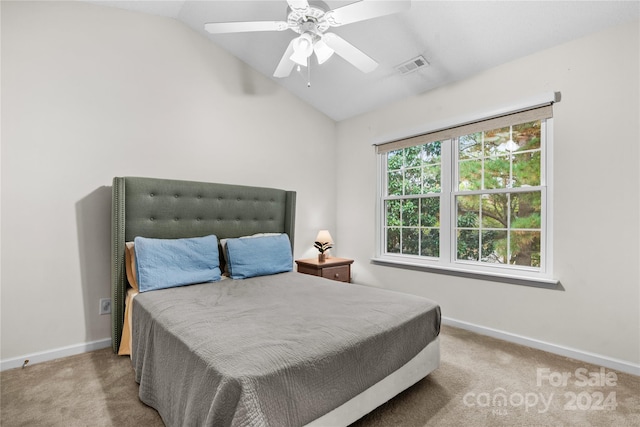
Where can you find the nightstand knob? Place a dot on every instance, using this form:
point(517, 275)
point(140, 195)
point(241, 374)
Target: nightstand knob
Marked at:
point(337, 275)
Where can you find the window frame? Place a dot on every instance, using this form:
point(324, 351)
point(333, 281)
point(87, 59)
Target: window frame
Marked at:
point(447, 262)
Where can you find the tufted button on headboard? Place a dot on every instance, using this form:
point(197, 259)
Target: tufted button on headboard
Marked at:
point(169, 209)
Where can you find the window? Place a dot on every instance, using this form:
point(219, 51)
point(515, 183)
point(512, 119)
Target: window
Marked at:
point(471, 197)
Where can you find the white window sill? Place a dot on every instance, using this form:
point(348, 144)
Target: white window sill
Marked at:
point(539, 282)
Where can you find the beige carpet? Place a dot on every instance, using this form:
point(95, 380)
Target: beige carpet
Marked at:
point(481, 382)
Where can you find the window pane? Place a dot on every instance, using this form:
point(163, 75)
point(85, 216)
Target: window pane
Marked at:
point(525, 248)
point(410, 241)
point(410, 215)
point(470, 175)
point(494, 246)
point(525, 210)
point(496, 172)
point(431, 153)
point(413, 156)
point(495, 141)
point(468, 211)
point(468, 243)
point(393, 240)
point(430, 217)
point(413, 181)
point(430, 242)
point(470, 146)
point(392, 210)
point(495, 208)
point(394, 183)
point(527, 135)
point(430, 212)
point(526, 169)
point(394, 160)
point(431, 179)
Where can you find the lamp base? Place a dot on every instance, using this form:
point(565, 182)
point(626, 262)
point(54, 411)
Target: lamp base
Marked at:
point(322, 257)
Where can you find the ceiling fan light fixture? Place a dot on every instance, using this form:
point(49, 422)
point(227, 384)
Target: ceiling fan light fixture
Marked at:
point(299, 58)
point(323, 52)
point(302, 49)
point(311, 19)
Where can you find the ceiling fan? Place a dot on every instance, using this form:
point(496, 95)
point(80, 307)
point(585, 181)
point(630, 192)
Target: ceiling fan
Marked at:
point(311, 19)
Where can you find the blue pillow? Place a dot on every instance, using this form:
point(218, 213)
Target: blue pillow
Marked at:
point(165, 263)
point(259, 256)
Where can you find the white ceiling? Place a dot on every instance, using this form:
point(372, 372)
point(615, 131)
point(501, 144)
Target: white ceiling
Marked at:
point(458, 39)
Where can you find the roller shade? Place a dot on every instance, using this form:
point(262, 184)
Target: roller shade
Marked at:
point(530, 115)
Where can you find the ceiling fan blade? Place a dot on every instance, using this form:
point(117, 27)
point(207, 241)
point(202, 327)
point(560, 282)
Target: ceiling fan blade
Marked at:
point(286, 64)
point(245, 27)
point(365, 9)
point(349, 52)
point(298, 4)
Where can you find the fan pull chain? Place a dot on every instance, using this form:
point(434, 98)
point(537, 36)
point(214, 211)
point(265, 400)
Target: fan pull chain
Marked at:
point(309, 71)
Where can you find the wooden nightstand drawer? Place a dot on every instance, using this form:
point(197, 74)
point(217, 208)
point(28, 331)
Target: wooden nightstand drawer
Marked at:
point(332, 268)
point(341, 273)
point(309, 270)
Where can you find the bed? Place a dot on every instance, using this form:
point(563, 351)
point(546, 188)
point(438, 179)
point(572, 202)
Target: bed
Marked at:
point(266, 349)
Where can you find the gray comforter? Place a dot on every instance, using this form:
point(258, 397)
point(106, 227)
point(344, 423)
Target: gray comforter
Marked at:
point(277, 350)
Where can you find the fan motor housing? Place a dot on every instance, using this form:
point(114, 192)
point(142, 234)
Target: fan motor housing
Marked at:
point(310, 19)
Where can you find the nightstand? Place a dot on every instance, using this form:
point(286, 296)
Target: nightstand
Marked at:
point(332, 268)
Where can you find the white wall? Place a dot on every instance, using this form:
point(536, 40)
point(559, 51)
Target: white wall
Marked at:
point(89, 93)
point(596, 199)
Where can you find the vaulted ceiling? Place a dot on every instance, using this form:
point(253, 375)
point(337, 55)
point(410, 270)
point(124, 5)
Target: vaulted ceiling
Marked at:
point(457, 38)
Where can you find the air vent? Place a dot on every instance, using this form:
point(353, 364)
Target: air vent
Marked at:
point(412, 65)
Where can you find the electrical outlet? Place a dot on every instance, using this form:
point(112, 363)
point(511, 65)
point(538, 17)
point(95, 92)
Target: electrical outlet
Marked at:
point(105, 305)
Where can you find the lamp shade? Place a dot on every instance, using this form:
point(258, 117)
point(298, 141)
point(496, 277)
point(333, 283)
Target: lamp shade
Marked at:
point(324, 237)
point(302, 49)
point(323, 52)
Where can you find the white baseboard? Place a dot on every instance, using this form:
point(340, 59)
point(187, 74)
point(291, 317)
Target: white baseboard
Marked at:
point(57, 353)
point(584, 356)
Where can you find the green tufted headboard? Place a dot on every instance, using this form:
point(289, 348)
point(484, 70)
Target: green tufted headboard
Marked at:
point(164, 208)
